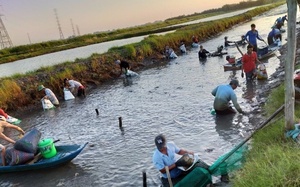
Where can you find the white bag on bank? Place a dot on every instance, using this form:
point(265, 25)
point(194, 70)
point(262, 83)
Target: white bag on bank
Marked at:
point(68, 94)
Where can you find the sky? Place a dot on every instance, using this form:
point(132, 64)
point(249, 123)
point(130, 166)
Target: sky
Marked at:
point(34, 21)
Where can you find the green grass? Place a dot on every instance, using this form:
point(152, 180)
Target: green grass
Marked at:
point(273, 159)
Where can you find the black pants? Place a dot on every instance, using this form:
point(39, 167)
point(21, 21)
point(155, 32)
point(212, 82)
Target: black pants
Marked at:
point(229, 110)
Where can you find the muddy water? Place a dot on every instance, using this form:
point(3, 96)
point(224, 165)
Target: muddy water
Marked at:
point(173, 99)
point(30, 64)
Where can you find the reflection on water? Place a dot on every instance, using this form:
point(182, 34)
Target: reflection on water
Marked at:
point(249, 91)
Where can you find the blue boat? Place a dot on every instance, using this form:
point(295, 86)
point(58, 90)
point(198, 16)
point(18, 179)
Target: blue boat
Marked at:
point(65, 153)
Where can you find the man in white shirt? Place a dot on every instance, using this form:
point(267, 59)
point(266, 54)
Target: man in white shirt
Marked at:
point(75, 86)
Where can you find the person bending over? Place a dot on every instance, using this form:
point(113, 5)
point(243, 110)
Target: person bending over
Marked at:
point(223, 95)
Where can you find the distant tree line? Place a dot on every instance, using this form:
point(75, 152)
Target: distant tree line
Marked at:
point(231, 7)
point(241, 5)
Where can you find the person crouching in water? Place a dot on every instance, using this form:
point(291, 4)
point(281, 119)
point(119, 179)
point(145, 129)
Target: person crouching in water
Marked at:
point(223, 95)
point(74, 86)
point(124, 66)
point(49, 95)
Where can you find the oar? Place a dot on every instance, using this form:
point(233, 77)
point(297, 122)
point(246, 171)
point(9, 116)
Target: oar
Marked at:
point(39, 155)
point(247, 139)
point(237, 46)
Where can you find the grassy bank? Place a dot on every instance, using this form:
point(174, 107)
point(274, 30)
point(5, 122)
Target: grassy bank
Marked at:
point(27, 51)
point(21, 90)
point(273, 159)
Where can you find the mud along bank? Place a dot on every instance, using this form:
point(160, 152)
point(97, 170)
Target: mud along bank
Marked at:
point(21, 90)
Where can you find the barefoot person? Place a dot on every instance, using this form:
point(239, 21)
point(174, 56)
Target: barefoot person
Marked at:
point(3, 125)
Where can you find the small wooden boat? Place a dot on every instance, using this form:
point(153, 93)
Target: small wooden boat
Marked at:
point(65, 153)
point(233, 66)
point(217, 54)
point(266, 52)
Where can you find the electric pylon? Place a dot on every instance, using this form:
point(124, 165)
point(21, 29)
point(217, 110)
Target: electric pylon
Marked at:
point(5, 41)
point(59, 28)
point(73, 28)
point(78, 33)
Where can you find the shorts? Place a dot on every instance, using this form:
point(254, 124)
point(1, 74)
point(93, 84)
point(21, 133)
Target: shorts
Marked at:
point(81, 91)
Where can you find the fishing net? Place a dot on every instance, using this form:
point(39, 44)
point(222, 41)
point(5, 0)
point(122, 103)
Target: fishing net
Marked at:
point(229, 162)
point(201, 173)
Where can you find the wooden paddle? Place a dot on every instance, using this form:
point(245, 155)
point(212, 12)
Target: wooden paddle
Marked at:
point(169, 176)
point(38, 156)
point(237, 46)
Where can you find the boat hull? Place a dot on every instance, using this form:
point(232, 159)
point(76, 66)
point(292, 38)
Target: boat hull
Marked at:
point(231, 67)
point(65, 154)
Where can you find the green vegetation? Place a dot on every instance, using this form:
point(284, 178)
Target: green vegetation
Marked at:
point(100, 68)
point(27, 51)
point(273, 159)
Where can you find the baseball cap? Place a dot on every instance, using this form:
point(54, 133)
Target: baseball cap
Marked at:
point(235, 82)
point(160, 141)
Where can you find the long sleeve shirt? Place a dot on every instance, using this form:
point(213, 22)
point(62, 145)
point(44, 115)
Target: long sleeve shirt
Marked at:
point(223, 94)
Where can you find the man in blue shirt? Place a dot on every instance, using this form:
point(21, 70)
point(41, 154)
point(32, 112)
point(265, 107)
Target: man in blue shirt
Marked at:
point(251, 37)
point(274, 35)
point(223, 94)
point(164, 156)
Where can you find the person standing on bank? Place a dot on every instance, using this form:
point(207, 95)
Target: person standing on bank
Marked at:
point(223, 95)
point(49, 95)
point(251, 37)
point(74, 87)
point(124, 66)
point(164, 156)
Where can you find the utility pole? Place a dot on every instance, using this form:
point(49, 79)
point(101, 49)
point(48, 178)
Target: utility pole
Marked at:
point(78, 33)
point(29, 38)
point(5, 41)
point(73, 28)
point(290, 66)
point(59, 28)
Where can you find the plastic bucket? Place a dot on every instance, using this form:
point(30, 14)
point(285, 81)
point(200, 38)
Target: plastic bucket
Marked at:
point(47, 148)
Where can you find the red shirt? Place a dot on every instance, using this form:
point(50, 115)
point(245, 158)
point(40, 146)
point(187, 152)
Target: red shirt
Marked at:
point(249, 61)
point(2, 113)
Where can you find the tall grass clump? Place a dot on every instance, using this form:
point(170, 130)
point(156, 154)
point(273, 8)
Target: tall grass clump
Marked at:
point(10, 91)
point(129, 51)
